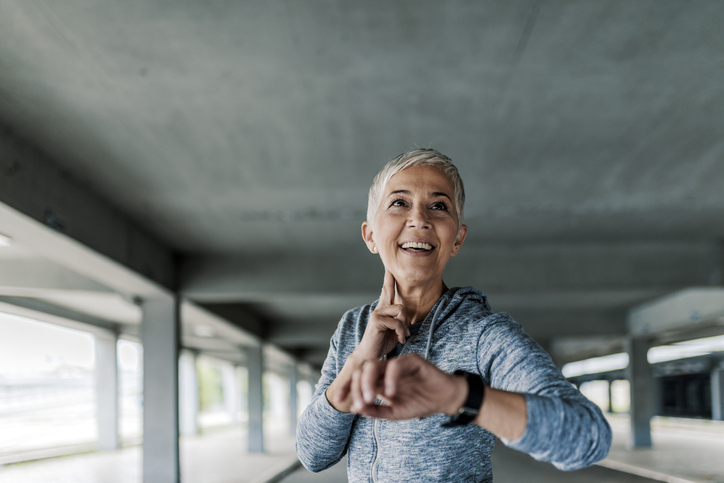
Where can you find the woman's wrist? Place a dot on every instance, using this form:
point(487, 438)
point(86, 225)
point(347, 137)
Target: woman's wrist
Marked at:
point(341, 384)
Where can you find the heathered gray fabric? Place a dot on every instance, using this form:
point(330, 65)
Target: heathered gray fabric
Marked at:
point(563, 426)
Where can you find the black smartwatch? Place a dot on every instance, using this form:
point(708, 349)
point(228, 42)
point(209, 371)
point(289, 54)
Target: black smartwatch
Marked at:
point(469, 411)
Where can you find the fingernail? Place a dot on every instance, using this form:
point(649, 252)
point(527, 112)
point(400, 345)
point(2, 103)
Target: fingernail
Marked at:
point(369, 397)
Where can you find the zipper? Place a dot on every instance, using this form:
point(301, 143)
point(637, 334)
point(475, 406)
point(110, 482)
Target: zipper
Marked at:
point(377, 421)
point(377, 456)
point(377, 441)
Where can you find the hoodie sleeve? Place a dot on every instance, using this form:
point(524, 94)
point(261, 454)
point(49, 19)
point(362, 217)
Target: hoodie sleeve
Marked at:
point(563, 427)
point(322, 431)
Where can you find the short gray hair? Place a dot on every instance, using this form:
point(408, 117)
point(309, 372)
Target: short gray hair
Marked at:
point(417, 157)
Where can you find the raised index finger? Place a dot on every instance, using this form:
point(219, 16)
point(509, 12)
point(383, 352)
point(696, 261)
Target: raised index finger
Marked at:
point(387, 297)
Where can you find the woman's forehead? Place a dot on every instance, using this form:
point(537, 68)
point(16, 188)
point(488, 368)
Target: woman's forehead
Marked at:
point(428, 179)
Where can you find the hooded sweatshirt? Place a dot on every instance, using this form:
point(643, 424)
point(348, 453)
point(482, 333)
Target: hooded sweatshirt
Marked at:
point(460, 332)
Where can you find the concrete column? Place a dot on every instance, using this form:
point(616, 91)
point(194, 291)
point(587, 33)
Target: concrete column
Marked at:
point(106, 374)
point(188, 394)
point(230, 389)
point(293, 378)
point(256, 400)
point(717, 394)
point(641, 381)
point(160, 334)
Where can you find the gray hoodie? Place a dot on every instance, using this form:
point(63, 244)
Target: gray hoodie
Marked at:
point(460, 332)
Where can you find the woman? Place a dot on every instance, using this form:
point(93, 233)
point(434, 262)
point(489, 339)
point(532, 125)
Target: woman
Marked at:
point(389, 394)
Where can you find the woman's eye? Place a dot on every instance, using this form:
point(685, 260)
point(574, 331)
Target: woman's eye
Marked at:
point(398, 202)
point(439, 206)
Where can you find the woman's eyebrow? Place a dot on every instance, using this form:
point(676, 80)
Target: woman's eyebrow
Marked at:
point(435, 194)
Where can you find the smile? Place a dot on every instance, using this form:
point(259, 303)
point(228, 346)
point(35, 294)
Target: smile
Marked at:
point(417, 247)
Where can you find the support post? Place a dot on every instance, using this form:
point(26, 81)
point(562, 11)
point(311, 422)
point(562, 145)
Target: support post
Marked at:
point(293, 379)
point(229, 378)
point(641, 382)
point(106, 385)
point(188, 394)
point(717, 394)
point(256, 400)
point(160, 334)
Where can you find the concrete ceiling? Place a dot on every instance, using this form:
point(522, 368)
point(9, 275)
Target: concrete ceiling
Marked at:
point(242, 137)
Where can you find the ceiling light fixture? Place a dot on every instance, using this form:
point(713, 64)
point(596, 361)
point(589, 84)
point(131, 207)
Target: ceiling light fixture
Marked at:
point(5, 241)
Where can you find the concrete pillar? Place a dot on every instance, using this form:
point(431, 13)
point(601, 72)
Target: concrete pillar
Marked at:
point(230, 389)
point(641, 381)
point(188, 394)
point(293, 378)
point(160, 335)
point(106, 383)
point(256, 400)
point(717, 394)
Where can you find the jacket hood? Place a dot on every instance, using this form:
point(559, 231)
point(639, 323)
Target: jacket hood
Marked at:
point(466, 299)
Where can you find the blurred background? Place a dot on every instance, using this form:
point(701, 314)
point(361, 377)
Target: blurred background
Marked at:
point(182, 186)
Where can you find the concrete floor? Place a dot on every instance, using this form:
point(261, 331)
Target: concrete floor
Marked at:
point(684, 452)
point(215, 457)
point(508, 467)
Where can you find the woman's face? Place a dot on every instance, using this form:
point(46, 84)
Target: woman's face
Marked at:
point(416, 226)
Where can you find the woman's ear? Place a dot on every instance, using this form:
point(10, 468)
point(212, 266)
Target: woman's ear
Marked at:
point(368, 238)
point(459, 239)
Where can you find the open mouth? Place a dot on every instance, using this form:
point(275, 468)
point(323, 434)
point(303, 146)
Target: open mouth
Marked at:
point(416, 247)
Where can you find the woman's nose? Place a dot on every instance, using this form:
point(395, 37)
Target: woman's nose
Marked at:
point(418, 218)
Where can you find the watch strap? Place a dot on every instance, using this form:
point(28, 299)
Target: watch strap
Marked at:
point(470, 408)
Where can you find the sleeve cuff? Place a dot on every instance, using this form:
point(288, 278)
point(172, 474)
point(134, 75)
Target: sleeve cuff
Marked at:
point(535, 436)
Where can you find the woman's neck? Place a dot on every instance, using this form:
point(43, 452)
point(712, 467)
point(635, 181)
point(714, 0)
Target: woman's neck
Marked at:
point(418, 300)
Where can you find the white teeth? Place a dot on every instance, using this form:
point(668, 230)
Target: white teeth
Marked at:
point(423, 246)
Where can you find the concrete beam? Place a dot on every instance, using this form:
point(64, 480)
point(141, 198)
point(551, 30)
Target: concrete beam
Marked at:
point(211, 344)
point(681, 312)
point(276, 359)
point(665, 266)
point(53, 314)
point(313, 356)
point(239, 316)
point(35, 277)
point(54, 215)
point(200, 322)
point(569, 349)
point(302, 334)
point(559, 323)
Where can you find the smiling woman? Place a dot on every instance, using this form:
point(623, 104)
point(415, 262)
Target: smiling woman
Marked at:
point(415, 229)
point(417, 384)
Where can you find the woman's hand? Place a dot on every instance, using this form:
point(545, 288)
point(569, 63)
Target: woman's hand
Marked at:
point(412, 387)
point(387, 326)
point(409, 386)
